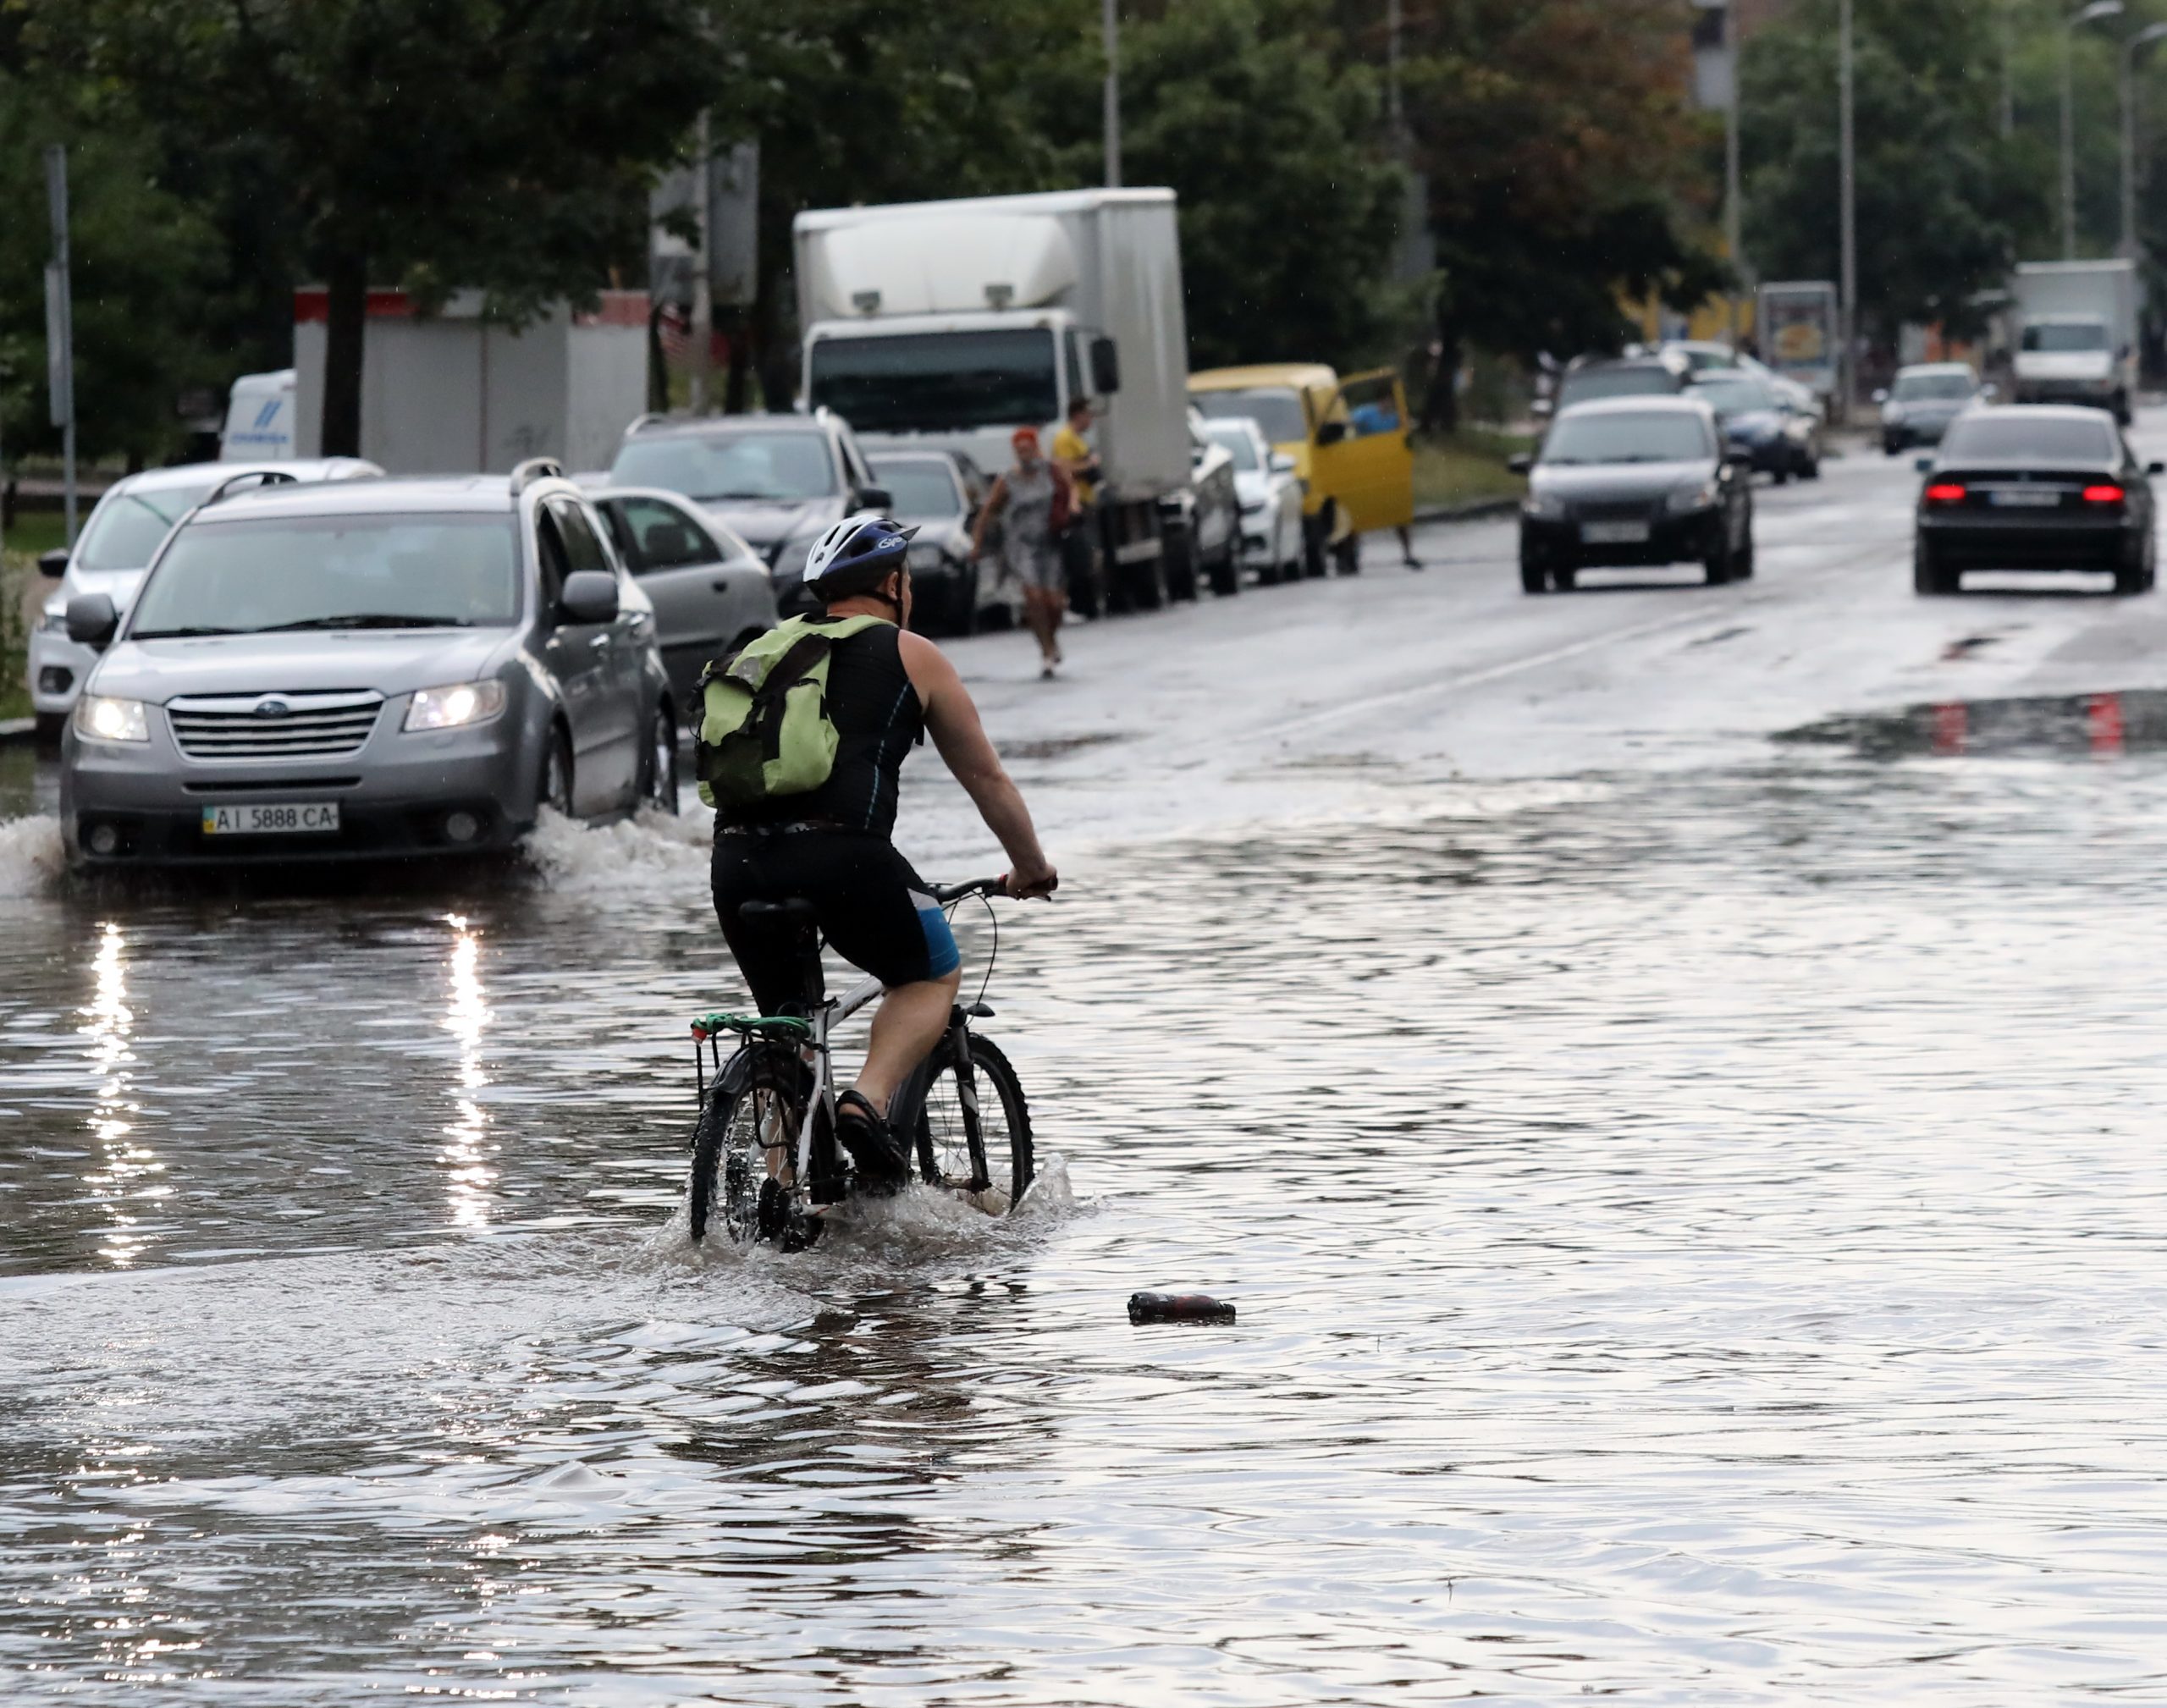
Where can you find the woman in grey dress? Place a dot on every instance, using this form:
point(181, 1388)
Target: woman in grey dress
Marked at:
point(1033, 500)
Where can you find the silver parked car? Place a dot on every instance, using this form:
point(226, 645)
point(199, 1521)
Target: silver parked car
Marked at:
point(363, 668)
point(710, 591)
point(122, 535)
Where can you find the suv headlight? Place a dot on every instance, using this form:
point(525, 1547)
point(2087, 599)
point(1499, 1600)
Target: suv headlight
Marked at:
point(1697, 495)
point(1546, 506)
point(99, 718)
point(454, 707)
point(54, 619)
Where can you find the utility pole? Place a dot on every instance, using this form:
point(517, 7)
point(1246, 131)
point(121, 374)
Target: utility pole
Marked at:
point(1110, 27)
point(703, 264)
point(1847, 174)
point(60, 326)
point(1732, 242)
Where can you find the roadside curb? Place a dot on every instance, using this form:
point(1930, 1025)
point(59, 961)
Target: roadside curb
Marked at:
point(18, 729)
point(1475, 512)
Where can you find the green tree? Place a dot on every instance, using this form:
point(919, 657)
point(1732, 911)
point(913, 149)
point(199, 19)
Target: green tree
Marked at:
point(1942, 196)
point(141, 260)
point(499, 144)
point(1273, 141)
point(1564, 171)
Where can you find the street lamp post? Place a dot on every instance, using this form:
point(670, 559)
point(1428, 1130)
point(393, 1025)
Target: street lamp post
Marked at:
point(2143, 38)
point(1732, 242)
point(2083, 14)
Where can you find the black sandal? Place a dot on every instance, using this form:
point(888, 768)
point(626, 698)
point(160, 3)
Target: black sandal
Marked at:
point(860, 1130)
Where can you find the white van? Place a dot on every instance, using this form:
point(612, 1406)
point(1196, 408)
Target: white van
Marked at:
point(259, 419)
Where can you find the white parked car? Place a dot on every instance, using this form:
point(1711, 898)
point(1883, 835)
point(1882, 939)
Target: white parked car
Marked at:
point(1268, 493)
point(122, 536)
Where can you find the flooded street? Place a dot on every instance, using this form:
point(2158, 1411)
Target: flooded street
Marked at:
point(1694, 1199)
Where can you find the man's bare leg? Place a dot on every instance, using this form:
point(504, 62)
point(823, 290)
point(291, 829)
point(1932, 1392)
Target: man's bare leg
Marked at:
point(906, 1025)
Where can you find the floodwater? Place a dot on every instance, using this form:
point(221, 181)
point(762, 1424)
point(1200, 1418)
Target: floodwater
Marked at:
point(1696, 1239)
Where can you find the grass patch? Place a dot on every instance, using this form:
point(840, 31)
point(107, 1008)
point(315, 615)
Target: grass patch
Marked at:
point(1467, 467)
point(23, 590)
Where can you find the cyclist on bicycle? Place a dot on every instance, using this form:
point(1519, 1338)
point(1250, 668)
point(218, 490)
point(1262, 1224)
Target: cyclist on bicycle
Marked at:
point(887, 689)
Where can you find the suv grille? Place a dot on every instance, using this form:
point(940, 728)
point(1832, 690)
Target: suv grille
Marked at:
point(254, 726)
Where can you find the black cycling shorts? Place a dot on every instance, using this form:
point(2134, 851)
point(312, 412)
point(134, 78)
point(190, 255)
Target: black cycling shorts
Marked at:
point(873, 909)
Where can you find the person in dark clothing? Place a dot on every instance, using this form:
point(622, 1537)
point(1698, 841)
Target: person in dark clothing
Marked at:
point(887, 689)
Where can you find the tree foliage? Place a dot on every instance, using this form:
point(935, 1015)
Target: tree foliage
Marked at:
point(502, 143)
point(1941, 197)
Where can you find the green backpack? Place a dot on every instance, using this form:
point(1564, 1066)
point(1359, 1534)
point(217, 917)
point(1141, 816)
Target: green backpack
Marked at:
point(764, 728)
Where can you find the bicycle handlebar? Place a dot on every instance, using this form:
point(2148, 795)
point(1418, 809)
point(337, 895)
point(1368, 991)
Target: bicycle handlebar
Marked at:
point(946, 893)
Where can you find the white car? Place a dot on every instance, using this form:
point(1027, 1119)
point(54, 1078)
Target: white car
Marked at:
point(122, 536)
point(1268, 493)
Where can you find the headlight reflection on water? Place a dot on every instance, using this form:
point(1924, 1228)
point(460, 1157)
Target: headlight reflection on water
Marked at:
point(126, 1170)
point(466, 1145)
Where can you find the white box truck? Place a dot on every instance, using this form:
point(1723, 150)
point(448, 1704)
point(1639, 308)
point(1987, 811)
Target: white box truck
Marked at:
point(2077, 333)
point(947, 325)
point(259, 419)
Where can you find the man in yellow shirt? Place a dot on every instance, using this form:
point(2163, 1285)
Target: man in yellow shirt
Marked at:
point(1073, 452)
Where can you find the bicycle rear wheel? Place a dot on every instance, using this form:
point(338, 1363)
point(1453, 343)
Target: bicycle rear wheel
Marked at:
point(986, 1151)
point(742, 1156)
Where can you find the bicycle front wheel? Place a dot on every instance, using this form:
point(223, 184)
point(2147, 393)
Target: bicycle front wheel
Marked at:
point(981, 1144)
point(741, 1162)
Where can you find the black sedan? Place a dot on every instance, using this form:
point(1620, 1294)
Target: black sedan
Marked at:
point(1760, 426)
point(1641, 479)
point(2036, 487)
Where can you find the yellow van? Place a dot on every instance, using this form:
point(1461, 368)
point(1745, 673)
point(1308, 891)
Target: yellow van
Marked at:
point(1347, 438)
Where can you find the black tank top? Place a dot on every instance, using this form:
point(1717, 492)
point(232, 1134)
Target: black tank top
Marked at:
point(877, 717)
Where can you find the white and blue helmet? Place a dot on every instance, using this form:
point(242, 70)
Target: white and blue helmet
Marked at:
point(857, 554)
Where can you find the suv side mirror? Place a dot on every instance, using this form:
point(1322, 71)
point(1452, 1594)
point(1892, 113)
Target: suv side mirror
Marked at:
point(1105, 366)
point(54, 564)
point(875, 498)
point(1330, 432)
point(91, 620)
point(1881, 395)
point(590, 596)
point(2156, 468)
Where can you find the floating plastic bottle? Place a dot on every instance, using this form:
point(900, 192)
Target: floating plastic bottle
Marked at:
point(1179, 1307)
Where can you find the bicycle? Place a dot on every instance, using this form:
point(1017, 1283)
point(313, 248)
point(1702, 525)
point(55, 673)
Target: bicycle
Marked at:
point(765, 1161)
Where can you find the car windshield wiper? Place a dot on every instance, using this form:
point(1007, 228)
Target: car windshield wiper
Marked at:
point(743, 498)
point(357, 620)
point(186, 633)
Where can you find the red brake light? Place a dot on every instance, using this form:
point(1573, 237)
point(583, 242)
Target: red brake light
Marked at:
point(2102, 495)
point(1945, 492)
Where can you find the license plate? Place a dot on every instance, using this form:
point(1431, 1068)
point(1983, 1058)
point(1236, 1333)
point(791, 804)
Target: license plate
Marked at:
point(277, 818)
point(1614, 533)
point(2025, 501)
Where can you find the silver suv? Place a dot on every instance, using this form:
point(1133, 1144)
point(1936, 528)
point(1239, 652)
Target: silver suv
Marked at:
point(365, 669)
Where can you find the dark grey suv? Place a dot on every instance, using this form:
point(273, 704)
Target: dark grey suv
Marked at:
point(380, 667)
point(779, 481)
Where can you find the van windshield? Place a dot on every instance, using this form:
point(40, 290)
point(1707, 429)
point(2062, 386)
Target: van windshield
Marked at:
point(937, 382)
point(334, 572)
point(129, 527)
point(2065, 337)
point(1277, 409)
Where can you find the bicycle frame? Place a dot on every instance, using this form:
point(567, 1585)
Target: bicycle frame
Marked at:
point(824, 1018)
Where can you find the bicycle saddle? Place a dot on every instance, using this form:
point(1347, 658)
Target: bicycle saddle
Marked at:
point(796, 911)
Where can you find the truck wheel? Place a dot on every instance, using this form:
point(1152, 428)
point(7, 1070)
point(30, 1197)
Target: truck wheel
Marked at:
point(1144, 585)
point(1533, 579)
point(1086, 590)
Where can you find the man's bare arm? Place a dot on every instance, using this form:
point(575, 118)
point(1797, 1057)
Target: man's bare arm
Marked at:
point(952, 719)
